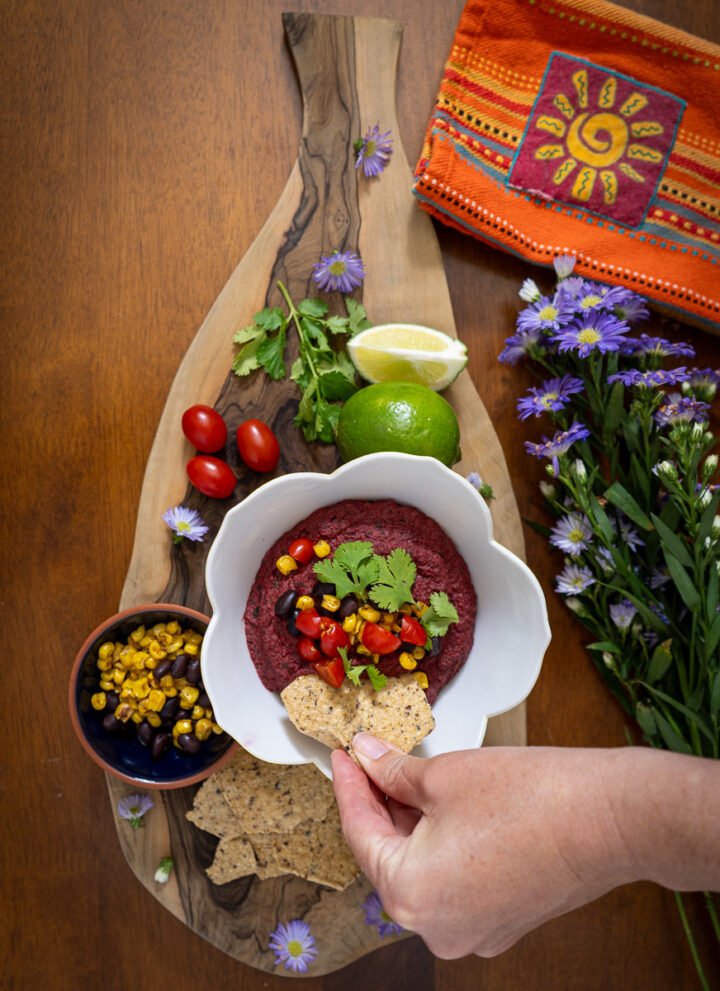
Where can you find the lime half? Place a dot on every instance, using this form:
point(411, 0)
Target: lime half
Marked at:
point(405, 352)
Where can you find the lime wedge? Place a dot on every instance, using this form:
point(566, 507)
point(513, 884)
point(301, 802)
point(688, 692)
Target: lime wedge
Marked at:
point(407, 353)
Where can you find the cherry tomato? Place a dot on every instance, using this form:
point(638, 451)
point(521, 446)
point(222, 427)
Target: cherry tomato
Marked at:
point(377, 640)
point(211, 476)
point(412, 631)
point(302, 550)
point(308, 650)
point(308, 622)
point(332, 671)
point(204, 428)
point(332, 636)
point(258, 445)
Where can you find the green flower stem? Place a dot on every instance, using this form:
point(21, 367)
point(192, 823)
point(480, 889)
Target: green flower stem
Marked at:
point(691, 942)
point(295, 316)
point(712, 912)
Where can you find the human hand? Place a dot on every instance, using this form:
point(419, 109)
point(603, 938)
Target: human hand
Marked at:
point(471, 850)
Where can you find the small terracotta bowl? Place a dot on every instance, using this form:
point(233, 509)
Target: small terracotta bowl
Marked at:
point(120, 753)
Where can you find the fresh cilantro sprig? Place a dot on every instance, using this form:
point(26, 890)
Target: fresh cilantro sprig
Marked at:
point(351, 569)
point(355, 671)
point(395, 578)
point(440, 614)
point(322, 371)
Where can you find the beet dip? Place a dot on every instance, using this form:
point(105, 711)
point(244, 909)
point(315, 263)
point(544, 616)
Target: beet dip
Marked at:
point(387, 525)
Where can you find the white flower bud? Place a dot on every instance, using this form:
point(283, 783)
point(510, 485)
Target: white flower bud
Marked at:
point(529, 291)
point(548, 490)
point(715, 531)
point(579, 470)
point(709, 467)
point(164, 870)
point(574, 605)
point(549, 470)
point(705, 498)
point(608, 660)
point(666, 471)
point(697, 432)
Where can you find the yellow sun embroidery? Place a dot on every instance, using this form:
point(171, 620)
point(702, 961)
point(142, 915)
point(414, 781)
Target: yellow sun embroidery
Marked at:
point(596, 146)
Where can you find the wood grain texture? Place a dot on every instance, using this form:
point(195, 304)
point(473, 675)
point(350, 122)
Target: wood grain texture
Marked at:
point(145, 144)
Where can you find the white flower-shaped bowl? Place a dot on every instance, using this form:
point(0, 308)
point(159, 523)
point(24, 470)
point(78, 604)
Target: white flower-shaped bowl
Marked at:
point(511, 630)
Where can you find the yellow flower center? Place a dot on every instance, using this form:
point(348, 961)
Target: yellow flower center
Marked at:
point(183, 526)
point(588, 335)
point(295, 948)
point(548, 312)
point(575, 536)
point(337, 267)
point(370, 149)
point(590, 301)
point(548, 399)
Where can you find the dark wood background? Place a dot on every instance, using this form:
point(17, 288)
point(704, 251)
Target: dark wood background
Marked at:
point(144, 142)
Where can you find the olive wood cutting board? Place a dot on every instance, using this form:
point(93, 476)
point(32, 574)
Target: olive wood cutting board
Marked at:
point(346, 68)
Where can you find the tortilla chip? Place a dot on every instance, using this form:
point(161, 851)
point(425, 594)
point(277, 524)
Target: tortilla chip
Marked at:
point(270, 798)
point(212, 812)
point(399, 713)
point(234, 858)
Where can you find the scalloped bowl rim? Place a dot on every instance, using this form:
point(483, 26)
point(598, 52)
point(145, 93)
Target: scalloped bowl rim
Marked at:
point(512, 631)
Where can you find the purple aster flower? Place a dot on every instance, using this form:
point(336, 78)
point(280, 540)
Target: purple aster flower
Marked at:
point(622, 614)
point(571, 288)
point(483, 488)
point(373, 151)
point(572, 534)
point(293, 945)
point(595, 331)
point(560, 443)
point(683, 410)
point(133, 808)
point(659, 577)
point(552, 395)
point(702, 384)
point(564, 265)
point(629, 534)
point(655, 347)
point(546, 314)
point(650, 379)
point(520, 344)
point(341, 271)
point(573, 580)
point(659, 612)
point(185, 524)
point(604, 558)
point(375, 915)
point(632, 308)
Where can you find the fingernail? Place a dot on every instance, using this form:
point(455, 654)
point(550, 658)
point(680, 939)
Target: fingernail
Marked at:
point(369, 746)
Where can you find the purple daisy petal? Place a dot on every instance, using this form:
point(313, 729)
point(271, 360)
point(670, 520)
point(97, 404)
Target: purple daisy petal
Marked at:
point(375, 915)
point(595, 331)
point(374, 151)
point(553, 395)
point(342, 271)
point(293, 945)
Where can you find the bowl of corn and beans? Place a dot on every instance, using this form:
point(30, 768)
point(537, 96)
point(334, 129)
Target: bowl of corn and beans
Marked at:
point(137, 700)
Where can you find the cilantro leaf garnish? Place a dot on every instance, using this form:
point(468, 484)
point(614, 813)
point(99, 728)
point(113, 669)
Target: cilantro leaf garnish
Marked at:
point(438, 617)
point(355, 671)
point(351, 569)
point(396, 574)
point(323, 371)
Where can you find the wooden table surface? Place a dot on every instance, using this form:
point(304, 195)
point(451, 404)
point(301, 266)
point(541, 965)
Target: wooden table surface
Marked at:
point(144, 144)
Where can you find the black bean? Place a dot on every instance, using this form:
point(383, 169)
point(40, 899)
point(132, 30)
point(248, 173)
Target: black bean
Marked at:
point(160, 744)
point(112, 701)
point(170, 709)
point(189, 743)
point(193, 671)
point(179, 666)
point(111, 724)
point(203, 699)
point(286, 603)
point(145, 734)
point(291, 624)
point(322, 588)
point(162, 668)
point(436, 646)
point(348, 607)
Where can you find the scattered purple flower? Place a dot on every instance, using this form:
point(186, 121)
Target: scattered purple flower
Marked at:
point(560, 443)
point(133, 808)
point(545, 314)
point(596, 331)
point(634, 378)
point(519, 345)
point(622, 614)
point(373, 151)
point(684, 410)
point(483, 488)
point(375, 915)
point(572, 534)
point(342, 271)
point(605, 560)
point(571, 288)
point(186, 524)
point(659, 577)
point(632, 309)
point(629, 535)
point(553, 395)
point(573, 580)
point(293, 945)
point(655, 347)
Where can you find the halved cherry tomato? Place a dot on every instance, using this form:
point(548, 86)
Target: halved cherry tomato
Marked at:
point(258, 445)
point(204, 428)
point(211, 476)
point(378, 640)
point(332, 636)
point(332, 671)
point(302, 550)
point(412, 631)
point(308, 650)
point(308, 622)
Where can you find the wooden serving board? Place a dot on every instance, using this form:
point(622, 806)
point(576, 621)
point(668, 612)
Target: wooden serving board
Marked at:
point(346, 67)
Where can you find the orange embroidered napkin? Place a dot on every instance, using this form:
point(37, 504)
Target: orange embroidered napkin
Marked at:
point(579, 127)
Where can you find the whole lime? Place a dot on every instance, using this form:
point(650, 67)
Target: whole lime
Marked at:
point(398, 416)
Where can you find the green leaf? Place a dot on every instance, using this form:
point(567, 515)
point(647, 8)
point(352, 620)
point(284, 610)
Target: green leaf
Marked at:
point(683, 582)
point(350, 569)
point(673, 740)
point(713, 638)
point(357, 315)
point(271, 355)
point(598, 515)
point(690, 714)
point(619, 496)
point(246, 360)
point(606, 646)
point(336, 386)
point(715, 696)
point(615, 409)
point(659, 662)
point(248, 334)
point(300, 374)
point(439, 616)
point(396, 574)
point(672, 543)
point(271, 318)
point(313, 308)
point(708, 516)
point(645, 719)
point(711, 593)
point(316, 336)
point(377, 679)
point(337, 325)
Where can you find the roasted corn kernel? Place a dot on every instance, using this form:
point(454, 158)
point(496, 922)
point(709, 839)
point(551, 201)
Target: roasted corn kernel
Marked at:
point(106, 650)
point(321, 548)
point(98, 701)
point(188, 696)
point(418, 653)
point(305, 602)
point(369, 613)
point(331, 603)
point(422, 679)
point(182, 726)
point(192, 649)
point(203, 729)
point(286, 564)
point(407, 661)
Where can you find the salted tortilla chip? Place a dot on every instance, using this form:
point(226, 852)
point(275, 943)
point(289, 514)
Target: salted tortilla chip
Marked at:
point(234, 858)
point(270, 798)
point(399, 713)
point(212, 812)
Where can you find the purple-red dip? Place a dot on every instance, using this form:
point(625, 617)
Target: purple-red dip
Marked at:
point(386, 525)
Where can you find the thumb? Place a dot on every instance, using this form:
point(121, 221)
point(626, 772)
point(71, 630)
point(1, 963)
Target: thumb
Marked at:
point(394, 772)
